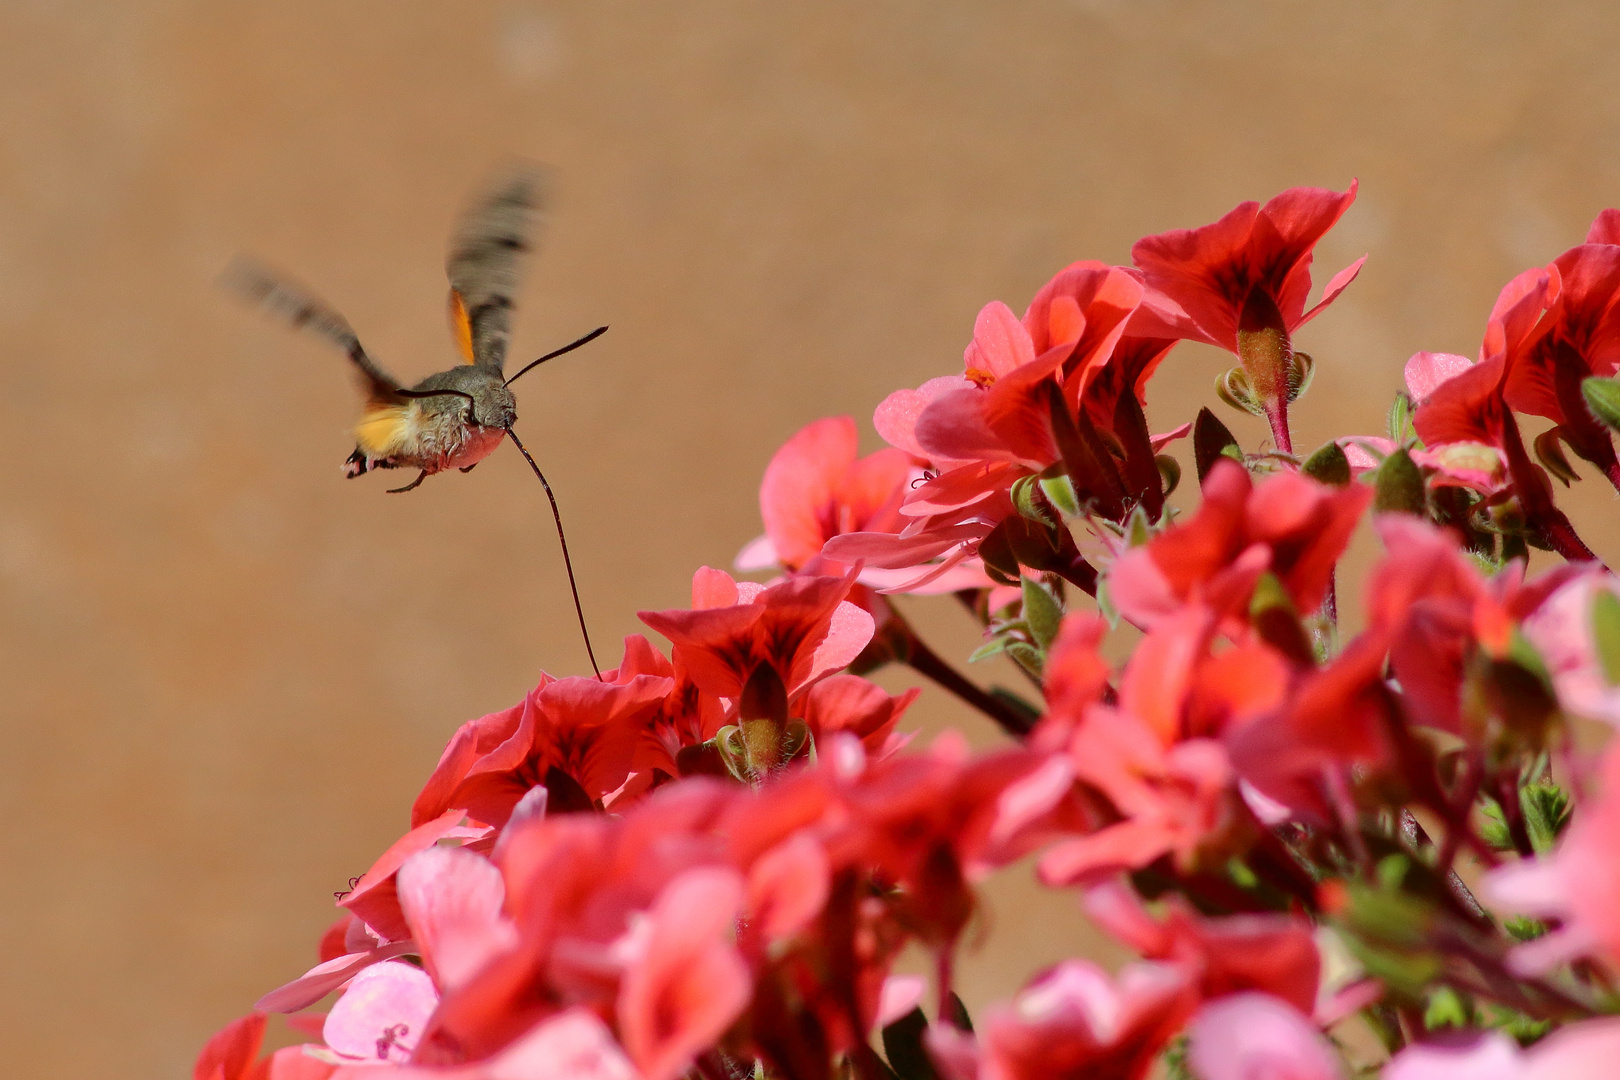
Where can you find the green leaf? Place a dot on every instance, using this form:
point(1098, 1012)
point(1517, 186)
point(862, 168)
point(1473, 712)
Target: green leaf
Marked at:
point(1546, 812)
point(1027, 656)
point(1399, 486)
point(1523, 929)
point(1328, 465)
point(1606, 634)
point(994, 647)
point(1603, 399)
point(1175, 1060)
point(903, 1044)
point(1042, 612)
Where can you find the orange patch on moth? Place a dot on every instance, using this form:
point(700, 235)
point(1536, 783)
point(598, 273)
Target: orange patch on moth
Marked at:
point(461, 326)
point(382, 431)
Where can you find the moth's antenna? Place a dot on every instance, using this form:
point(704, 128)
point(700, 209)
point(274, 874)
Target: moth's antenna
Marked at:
point(557, 515)
point(570, 347)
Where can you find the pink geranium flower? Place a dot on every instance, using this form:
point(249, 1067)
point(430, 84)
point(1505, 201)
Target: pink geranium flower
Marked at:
point(685, 981)
point(817, 487)
point(993, 426)
point(1563, 634)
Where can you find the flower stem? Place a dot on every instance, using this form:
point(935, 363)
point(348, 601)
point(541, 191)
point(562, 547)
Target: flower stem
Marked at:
point(922, 659)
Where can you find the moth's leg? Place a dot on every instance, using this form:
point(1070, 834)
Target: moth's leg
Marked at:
point(469, 468)
point(414, 484)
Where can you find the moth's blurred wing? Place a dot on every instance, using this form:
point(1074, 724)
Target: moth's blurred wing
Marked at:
point(274, 293)
point(483, 264)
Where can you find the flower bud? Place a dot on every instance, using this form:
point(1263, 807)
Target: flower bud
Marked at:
point(1400, 486)
point(1328, 465)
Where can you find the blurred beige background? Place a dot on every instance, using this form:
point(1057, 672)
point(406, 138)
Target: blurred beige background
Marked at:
point(227, 670)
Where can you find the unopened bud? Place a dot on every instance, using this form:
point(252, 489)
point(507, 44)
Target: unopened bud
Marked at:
point(1399, 486)
point(1328, 465)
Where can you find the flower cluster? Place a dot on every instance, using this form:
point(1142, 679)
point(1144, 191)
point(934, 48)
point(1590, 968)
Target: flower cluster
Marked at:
point(1392, 852)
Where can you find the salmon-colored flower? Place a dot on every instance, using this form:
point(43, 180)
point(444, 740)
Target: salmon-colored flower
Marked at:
point(685, 981)
point(1274, 954)
point(802, 628)
point(576, 737)
point(1243, 282)
point(1068, 362)
point(1288, 525)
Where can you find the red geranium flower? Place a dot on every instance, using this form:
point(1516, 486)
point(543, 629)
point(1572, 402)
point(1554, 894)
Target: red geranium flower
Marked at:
point(1244, 280)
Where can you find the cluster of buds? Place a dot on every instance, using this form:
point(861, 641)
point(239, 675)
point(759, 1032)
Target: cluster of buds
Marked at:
point(1380, 853)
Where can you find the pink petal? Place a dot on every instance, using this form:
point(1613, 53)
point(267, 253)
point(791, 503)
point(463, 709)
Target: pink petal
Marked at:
point(679, 997)
point(852, 628)
point(452, 900)
point(322, 979)
point(787, 887)
point(758, 554)
point(1492, 1057)
point(574, 1045)
point(1583, 1051)
point(1249, 1035)
point(382, 1014)
point(1000, 342)
point(1427, 370)
point(901, 994)
point(896, 417)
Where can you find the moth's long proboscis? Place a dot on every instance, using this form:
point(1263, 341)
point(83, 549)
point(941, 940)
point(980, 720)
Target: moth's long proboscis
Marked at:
point(568, 563)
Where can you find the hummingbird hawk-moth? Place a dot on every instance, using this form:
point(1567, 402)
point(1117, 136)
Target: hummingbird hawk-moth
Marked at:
point(457, 417)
